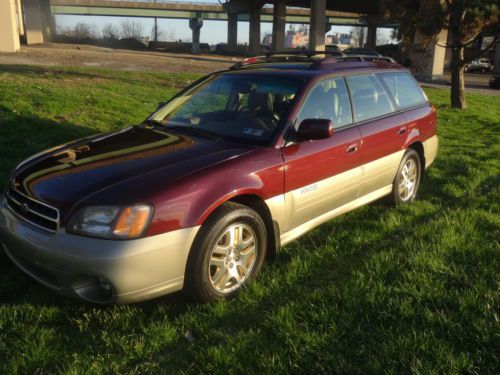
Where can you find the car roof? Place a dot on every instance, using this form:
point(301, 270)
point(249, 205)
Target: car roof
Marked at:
point(306, 64)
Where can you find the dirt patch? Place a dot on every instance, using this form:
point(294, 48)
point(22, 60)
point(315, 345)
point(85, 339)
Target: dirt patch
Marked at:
point(52, 54)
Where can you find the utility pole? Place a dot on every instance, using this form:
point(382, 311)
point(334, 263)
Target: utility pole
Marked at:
point(156, 31)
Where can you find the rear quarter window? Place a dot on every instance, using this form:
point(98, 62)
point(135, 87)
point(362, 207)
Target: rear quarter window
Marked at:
point(403, 88)
point(368, 97)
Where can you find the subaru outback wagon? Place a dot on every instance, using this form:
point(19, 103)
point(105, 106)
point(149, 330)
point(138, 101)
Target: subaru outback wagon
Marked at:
point(238, 164)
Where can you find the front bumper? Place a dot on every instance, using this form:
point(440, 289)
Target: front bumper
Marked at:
point(97, 270)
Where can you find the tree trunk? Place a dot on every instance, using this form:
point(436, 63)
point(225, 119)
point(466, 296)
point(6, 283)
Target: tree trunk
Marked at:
point(457, 79)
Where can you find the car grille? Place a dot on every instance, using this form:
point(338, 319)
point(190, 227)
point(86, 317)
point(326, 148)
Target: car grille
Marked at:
point(36, 213)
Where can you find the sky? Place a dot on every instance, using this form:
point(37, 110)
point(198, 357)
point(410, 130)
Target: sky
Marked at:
point(213, 32)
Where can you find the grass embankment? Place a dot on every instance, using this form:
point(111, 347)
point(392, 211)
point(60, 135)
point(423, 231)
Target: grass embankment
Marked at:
point(413, 289)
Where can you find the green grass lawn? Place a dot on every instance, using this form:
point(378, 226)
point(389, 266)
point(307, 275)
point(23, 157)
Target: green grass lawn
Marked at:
point(398, 290)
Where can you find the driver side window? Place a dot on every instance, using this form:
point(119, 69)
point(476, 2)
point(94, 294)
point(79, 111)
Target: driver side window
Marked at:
point(328, 100)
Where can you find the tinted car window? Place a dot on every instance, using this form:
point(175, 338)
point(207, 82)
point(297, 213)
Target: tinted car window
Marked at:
point(328, 100)
point(403, 88)
point(368, 96)
point(236, 107)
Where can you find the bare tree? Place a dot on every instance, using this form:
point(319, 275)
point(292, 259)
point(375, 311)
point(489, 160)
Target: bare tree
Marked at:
point(157, 33)
point(359, 36)
point(132, 29)
point(382, 38)
point(110, 31)
point(83, 31)
point(170, 35)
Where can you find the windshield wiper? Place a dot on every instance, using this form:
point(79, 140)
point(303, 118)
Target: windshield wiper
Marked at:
point(155, 123)
point(196, 131)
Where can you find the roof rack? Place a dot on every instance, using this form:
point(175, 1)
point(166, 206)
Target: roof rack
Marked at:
point(303, 55)
point(368, 58)
point(306, 53)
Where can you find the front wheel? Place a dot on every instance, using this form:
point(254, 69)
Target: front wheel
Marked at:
point(407, 181)
point(227, 253)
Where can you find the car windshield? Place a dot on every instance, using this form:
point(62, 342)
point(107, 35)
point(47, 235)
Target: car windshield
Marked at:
point(236, 107)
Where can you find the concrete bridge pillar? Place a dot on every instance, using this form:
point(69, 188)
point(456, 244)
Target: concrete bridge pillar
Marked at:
point(39, 21)
point(232, 32)
point(9, 36)
point(428, 56)
point(496, 63)
point(20, 19)
point(255, 42)
point(317, 29)
point(279, 25)
point(195, 24)
point(371, 36)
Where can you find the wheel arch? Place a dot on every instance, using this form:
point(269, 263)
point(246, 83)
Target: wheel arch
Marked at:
point(257, 203)
point(419, 148)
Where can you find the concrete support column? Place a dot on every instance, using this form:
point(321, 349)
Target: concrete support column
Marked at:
point(20, 21)
point(48, 22)
point(279, 25)
point(9, 37)
point(33, 17)
point(232, 31)
point(255, 42)
point(428, 56)
point(371, 36)
point(318, 22)
point(195, 24)
point(496, 63)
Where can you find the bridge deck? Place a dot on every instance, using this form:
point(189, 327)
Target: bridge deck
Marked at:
point(185, 10)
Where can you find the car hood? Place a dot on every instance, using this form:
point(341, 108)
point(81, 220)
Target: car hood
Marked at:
point(69, 174)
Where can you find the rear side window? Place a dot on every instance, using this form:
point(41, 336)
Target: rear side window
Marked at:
point(328, 100)
point(369, 97)
point(403, 88)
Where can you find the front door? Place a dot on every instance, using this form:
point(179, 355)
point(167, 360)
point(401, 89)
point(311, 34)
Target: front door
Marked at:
point(324, 174)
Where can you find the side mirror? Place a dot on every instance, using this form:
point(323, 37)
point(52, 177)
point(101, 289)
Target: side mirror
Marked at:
point(314, 129)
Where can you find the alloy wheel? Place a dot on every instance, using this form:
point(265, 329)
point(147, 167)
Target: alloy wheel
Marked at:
point(408, 180)
point(232, 258)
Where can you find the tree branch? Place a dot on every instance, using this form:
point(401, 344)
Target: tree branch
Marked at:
point(483, 52)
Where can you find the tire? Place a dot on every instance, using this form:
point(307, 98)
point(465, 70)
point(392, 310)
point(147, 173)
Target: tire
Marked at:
point(219, 267)
point(402, 193)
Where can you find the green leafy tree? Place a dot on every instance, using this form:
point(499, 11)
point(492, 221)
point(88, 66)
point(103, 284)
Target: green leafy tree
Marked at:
point(465, 20)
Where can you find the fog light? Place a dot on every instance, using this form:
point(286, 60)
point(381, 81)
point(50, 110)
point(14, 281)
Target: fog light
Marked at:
point(92, 288)
point(105, 286)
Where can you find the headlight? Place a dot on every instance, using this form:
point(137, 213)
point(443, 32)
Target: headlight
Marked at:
point(111, 221)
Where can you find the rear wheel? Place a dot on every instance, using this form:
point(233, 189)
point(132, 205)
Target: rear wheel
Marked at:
point(228, 252)
point(407, 181)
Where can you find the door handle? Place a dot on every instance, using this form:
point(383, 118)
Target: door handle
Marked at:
point(402, 130)
point(352, 148)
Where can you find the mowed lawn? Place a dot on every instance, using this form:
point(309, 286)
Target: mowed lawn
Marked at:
point(379, 290)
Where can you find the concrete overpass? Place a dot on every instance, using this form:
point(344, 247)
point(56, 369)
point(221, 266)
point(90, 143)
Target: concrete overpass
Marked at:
point(38, 25)
point(185, 10)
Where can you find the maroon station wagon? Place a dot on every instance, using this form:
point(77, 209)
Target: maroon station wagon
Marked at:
point(219, 177)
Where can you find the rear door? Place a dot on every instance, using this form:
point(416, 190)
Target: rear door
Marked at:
point(382, 131)
point(324, 174)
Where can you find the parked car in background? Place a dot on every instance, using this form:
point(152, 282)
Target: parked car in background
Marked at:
point(479, 65)
point(217, 179)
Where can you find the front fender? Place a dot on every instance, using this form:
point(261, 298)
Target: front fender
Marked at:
point(191, 200)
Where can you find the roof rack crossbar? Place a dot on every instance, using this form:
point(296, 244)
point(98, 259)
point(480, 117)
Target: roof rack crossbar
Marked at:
point(306, 53)
point(332, 56)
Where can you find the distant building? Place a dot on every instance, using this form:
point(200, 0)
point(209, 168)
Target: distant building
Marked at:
point(294, 38)
point(299, 38)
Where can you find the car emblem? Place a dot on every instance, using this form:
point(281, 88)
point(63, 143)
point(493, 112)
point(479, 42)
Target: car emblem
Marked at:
point(25, 208)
